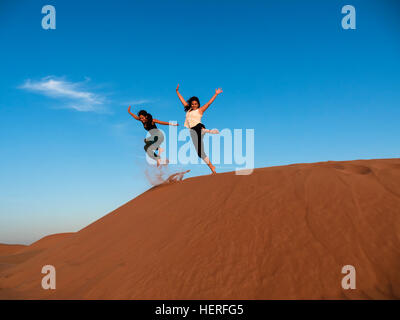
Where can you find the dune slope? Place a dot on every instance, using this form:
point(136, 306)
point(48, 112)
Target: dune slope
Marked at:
point(279, 233)
point(6, 249)
point(12, 255)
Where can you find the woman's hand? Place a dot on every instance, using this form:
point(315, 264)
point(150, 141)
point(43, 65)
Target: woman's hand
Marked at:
point(185, 104)
point(132, 114)
point(204, 108)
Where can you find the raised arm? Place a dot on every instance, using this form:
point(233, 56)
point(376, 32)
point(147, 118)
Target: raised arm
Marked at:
point(165, 123)
point(132, 114)
point(185, 104)
point(204, 108)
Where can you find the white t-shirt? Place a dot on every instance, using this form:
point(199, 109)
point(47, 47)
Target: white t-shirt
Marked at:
point(193, 118)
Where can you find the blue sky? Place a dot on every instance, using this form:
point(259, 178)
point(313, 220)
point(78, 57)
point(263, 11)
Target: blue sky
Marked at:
point(70, 152)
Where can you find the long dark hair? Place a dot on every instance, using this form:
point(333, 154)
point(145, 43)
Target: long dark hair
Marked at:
point(190, 103)
point(148, 116)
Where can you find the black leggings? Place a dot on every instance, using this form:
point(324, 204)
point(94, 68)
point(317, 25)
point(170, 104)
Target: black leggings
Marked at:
point(197, 139)
point(153, 142)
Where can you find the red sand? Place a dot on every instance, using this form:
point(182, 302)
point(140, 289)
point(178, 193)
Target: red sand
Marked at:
point(279, 233)
point(11, 255)
point(49, 241)
point(6, 249)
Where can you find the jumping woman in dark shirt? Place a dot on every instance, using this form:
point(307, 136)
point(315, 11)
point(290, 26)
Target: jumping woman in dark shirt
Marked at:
point(156, 135)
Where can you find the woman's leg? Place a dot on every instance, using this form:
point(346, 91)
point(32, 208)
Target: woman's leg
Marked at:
point(210, 165)
point(197, 139)
point(150, 150)
point(161, 138)
point(151, 146)
point(212, 131)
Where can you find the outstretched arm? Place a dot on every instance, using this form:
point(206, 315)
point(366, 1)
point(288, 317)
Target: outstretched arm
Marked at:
point(165, 123)
point(204, 108)
point(185, 104)
point(132, 114)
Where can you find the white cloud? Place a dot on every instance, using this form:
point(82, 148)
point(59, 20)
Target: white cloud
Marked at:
point(74, 95)
point(136, 102)
point(140, 102)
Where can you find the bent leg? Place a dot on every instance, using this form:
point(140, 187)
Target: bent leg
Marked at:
point(197, 139)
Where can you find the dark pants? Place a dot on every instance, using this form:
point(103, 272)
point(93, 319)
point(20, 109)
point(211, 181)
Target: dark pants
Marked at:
point(153, 142)
point(197, 139)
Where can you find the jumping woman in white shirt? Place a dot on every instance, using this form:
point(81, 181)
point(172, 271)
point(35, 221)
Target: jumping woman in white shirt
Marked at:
point(193, 121)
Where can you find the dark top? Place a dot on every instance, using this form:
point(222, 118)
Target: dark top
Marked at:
point(149, 124)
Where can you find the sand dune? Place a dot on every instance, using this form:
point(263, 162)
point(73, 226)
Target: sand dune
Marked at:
point(49, 241)
point(279, 233)
point(6, 249)
point(12, 255)
point(43, 243)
